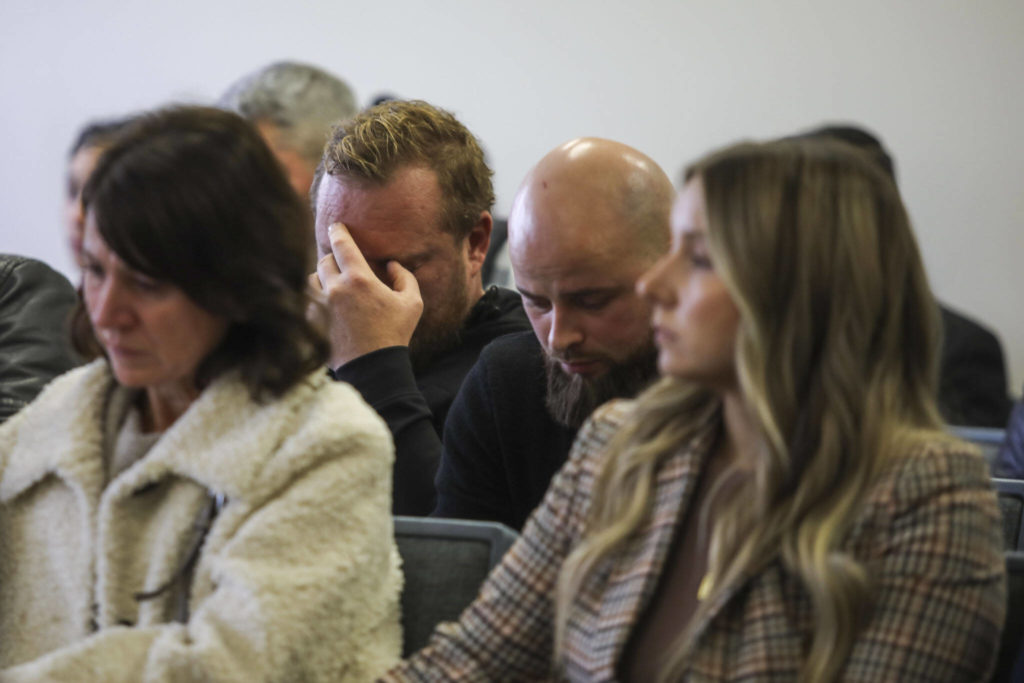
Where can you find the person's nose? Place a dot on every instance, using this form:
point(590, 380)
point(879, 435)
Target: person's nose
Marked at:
point(110, 307)
point(653, 286)
point(565, 331)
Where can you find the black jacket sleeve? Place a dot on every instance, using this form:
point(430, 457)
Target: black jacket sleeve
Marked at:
point(415, 404)
point(35, 304)
point(972, 374)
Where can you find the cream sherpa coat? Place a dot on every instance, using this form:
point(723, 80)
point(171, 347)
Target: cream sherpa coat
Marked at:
point(297, 580)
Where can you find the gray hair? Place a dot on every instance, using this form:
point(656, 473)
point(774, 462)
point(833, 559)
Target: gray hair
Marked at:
point(301, 101)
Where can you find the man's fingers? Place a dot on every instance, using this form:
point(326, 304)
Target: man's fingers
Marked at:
point(314, 282)
point(315, 311)
point(326, 268)
point(347, 256)
point(402, 281)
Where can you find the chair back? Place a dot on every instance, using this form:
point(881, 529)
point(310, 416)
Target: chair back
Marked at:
point(988, 439)
point(444, 562)
point(1011, 504)
point(1010, 662)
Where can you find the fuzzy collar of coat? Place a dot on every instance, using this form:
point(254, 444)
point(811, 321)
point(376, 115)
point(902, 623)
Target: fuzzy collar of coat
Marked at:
point(227, 442)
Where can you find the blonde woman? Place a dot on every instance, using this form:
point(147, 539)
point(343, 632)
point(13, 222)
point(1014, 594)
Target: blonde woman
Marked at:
point(784, 503)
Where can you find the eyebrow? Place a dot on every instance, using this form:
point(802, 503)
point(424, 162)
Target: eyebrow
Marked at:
point(526, 293)
point(411, 258)
point(575, 293)
point(418, 256)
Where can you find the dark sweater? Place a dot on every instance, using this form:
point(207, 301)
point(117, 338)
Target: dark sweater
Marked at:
point(1010, 460)
point(415, 405)
point(972, 374)
point(501, 447)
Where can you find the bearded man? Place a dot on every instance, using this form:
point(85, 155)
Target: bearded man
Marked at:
point(402, 202)
point(589, 218)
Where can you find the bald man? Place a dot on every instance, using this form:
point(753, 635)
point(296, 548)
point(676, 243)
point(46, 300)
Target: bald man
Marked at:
point(589, 218)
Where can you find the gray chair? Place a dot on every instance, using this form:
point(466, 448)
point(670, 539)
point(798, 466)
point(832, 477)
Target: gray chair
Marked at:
point(1010, 661)
point(1011, 504)
point(444, 562)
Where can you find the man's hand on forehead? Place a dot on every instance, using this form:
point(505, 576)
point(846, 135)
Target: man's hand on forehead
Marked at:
point(364, 313)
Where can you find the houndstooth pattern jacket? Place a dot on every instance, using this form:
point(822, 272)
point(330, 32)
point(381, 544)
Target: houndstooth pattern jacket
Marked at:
point(928, 534)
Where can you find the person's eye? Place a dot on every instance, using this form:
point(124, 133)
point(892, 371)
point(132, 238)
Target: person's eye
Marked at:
point(694, 249)
point(539, 305)
point(594, 302)
point(90, 265)
point(697, 256)
point(701, 261)
point(92, 270)
point(147, 284)
point(414, 264)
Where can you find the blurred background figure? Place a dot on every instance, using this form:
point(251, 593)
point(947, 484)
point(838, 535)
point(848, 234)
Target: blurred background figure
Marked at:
point(188, 504)
point(35, 306)
point(294, 106)
point(972, 371)
point(92, 140)
point(1010, 459)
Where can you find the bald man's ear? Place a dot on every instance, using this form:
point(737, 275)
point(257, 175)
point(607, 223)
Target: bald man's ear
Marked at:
point(478, 241)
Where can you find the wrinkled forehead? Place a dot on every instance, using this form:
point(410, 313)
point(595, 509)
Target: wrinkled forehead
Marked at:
point(411, 198)
point(575, 234)
point(328, 200)
point(399, 219)
point(561, 260)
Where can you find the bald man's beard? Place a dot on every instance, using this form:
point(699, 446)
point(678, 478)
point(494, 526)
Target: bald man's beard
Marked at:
point(571, 398)
point(439, 329)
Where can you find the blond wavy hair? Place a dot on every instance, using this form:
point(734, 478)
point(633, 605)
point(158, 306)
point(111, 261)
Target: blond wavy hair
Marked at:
point(836, 356)
point(395, 134)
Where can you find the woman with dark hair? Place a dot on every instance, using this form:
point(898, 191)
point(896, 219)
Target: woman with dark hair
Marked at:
point(784, 504)
point(201, 502)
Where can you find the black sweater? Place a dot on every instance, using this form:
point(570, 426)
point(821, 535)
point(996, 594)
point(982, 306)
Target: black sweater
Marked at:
point(501, 447)
point(972, 374)
point(415, 405)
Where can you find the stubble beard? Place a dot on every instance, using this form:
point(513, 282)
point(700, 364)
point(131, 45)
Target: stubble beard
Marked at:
point(441, 330)
point(571, 398)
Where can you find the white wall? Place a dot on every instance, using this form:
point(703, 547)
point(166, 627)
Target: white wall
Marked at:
point(939, 80)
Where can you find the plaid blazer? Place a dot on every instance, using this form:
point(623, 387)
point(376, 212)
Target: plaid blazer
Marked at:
point(929, 535)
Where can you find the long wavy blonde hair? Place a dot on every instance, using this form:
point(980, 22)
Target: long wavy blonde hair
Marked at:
point(836, 359)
